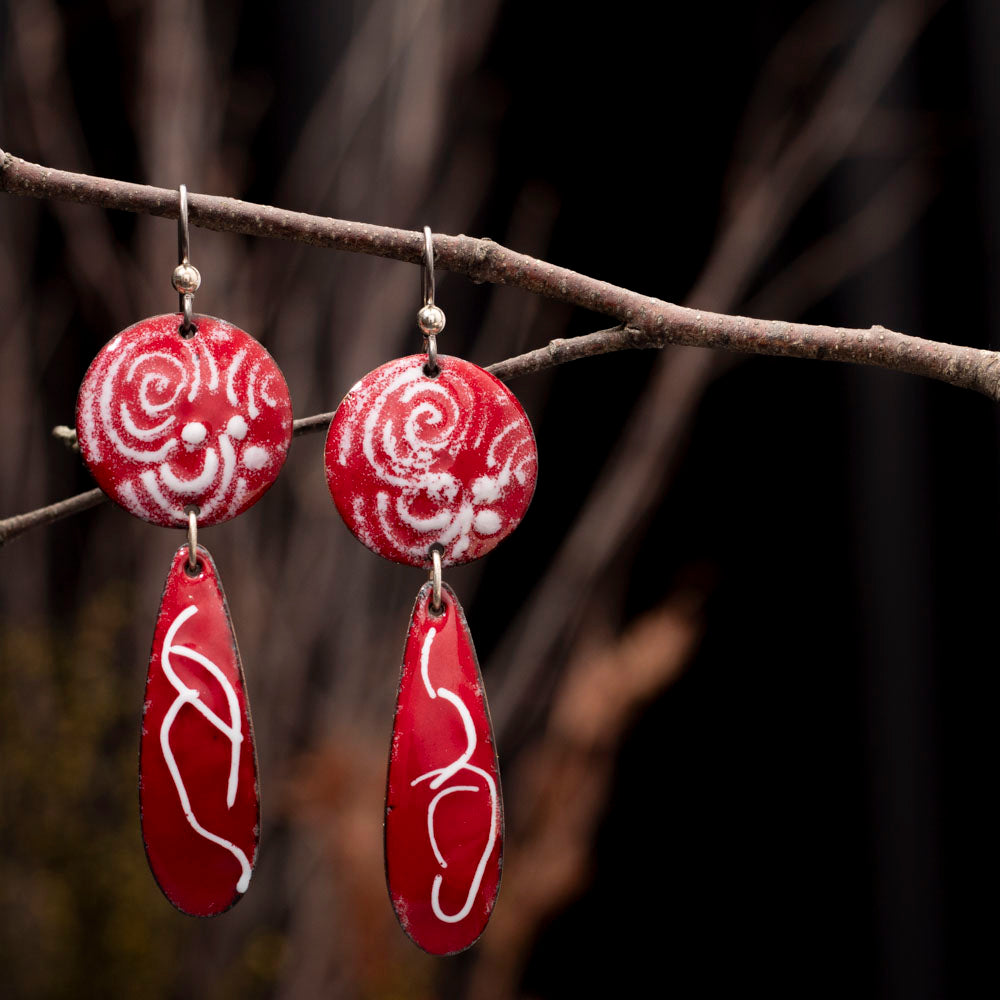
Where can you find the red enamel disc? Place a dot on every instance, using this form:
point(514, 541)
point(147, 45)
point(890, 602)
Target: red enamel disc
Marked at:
point(412, 461)
point(197, 763)
point(443, 811)
point(166, 422)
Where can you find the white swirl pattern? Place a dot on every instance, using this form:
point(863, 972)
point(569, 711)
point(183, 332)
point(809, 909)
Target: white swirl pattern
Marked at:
point(411, 430)
point(128, 419)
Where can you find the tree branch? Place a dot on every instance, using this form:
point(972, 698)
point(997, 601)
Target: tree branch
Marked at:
point(558, 352)
point(653, 321)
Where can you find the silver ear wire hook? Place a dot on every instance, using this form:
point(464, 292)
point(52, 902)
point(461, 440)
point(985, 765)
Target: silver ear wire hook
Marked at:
point(430, 318)
point(186, 277)
point(183, 228)
point(427, 270)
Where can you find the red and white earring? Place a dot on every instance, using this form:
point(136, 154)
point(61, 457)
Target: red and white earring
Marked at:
point(431, 462)
point(185, 421)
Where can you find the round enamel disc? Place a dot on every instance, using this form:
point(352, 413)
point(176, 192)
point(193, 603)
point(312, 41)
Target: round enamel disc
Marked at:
point(412, 461)
point(166, 422)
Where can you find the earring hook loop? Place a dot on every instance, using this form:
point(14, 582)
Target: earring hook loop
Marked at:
point(430, 317)
point(186, 278)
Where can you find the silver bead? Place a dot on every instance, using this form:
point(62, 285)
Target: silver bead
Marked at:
point(430, 319)
point(186, 278)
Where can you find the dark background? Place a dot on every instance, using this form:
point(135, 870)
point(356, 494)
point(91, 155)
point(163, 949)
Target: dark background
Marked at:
point(798, 804)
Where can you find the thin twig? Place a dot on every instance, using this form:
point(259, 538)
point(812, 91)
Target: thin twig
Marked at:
point(484, 260)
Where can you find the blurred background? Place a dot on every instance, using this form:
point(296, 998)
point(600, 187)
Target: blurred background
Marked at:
point(734, 652)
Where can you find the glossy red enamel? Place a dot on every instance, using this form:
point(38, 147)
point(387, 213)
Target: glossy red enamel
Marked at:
point(197, 763)
point(444, 811)
point(166, 422)
point(412, 461)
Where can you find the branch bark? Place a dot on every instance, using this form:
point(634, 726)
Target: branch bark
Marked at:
point(654, 322)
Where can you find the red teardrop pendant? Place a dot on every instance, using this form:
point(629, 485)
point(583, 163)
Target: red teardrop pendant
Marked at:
point(198, 790)
point(444, 813)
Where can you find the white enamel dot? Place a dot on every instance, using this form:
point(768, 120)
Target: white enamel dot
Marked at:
point(255, 457)
point(237, 428)
point(487, 522)
point(194, 434)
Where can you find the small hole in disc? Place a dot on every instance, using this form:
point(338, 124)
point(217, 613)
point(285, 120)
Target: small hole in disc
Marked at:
point(430, 607)
point(189, 332)
point(432, 372)
point(193, 572)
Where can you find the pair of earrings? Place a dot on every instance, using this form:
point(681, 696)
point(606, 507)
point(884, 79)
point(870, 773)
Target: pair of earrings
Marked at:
point(185, 421)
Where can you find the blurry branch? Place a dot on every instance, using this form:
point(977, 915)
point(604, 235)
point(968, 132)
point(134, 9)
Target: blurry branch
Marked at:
point(556, 353)
point(67, 436)
point(762, 204)
point(658, 323)
point(845, 250)
point(563, 780)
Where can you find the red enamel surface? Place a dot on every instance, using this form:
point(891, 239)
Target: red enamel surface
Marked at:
point(165, 422)
point(443, 788)
point(412, 461)
point(197, 718)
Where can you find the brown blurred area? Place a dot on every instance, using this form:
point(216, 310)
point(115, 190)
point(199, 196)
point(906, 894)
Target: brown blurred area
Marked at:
point(733, 650)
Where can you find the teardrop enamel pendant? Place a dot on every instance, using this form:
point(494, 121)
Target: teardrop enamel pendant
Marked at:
point(198, 792)
point(444, 811)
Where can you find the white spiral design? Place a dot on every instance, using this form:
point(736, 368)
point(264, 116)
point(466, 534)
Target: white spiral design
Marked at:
point(128, 421)
point(411, 428)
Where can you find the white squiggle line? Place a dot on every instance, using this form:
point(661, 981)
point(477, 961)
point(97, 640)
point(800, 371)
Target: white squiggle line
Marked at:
point(161, 380)
point(105, 410)
point(470, 737)
point(491, 458)
point(189, 696)
point(367, 438)
point(454, 918)
point(459, 530)
point(136, 431)
point(89, 423)
point(131, 501)
point(228, 468)
point(382, 508)
point(264, 394)
point(442, 774)
point(213, 372)
point(430, 817)
point(425, 652)
point(200, 483)
point(251, 402)
point(196, 364)
point(234, 367)
point(148, 479)
point(238, 497)
point(437, 522)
